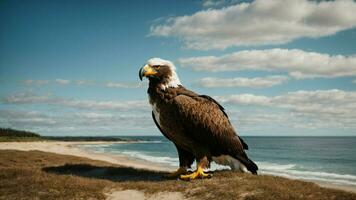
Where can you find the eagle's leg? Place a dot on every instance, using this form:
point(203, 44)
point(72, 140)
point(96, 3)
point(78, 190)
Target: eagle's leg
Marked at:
point(185, 161)
point(199, 173)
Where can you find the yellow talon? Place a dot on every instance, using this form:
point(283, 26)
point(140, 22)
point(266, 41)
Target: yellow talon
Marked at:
point(199, 173)
point(180, 171)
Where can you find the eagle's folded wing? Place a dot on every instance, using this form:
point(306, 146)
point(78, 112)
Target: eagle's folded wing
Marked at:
point(208, 124)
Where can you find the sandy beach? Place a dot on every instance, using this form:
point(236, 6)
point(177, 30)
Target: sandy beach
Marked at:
point(70, 148)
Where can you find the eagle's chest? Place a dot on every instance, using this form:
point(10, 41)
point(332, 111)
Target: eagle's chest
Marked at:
point(157, 109)
point(164, 114)
point(168, 118)
point(156, 113)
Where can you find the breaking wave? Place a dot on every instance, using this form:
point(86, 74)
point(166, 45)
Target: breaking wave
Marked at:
point(291, 171)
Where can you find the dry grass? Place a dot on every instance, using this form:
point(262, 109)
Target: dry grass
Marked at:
point(22, 177)
point(40, 175)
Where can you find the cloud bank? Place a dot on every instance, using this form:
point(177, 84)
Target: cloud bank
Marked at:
point(49, 114)
point(78, 123)
point(261, 22)
point(31, 98)
point(303, 110)
point(298, 63)
point(325, 105)
point(111, 84)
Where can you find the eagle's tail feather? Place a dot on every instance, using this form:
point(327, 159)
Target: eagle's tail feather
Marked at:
point(250, 165)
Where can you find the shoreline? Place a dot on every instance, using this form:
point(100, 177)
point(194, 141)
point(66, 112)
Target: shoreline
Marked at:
point(70, 148)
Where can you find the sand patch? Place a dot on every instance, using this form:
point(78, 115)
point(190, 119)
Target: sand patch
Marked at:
point(139, 195)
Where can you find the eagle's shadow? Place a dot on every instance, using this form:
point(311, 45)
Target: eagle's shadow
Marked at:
point(113, 173)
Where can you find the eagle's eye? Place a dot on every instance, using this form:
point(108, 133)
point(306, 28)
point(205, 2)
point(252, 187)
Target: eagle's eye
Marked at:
point(156, 67)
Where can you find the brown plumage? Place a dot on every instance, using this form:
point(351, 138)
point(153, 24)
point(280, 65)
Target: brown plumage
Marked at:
point(196, 124)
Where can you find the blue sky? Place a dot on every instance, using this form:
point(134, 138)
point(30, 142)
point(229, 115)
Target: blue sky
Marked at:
point(278, 67)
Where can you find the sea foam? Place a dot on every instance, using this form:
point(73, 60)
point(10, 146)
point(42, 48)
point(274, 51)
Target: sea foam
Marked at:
point(291, 171)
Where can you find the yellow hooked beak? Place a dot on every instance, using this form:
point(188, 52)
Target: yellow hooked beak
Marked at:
point(146, 70)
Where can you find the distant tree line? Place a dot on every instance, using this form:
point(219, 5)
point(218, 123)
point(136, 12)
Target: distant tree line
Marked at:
point(8, 132)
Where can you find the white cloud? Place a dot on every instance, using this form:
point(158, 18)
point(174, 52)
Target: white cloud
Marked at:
point(110, 84)
point(26, 98)
point(258, 82)
point(84, 82)
point(298, 63)
point(62, 81)
point(36, 82)
point(245, 99)
point(302, 109)
point(212, 3)
point(30, 98)
point(122, 85)
point(260, 22)
point(333, 103)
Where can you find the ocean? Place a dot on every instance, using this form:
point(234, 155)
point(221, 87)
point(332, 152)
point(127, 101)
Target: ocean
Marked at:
point(323, 159)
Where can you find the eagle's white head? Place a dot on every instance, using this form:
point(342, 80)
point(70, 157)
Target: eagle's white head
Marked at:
point(162, 72)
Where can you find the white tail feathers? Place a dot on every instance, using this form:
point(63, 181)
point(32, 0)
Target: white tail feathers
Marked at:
point(233, 163)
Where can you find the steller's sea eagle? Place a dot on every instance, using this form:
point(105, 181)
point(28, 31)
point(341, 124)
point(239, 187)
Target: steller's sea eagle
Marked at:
point(196, 124)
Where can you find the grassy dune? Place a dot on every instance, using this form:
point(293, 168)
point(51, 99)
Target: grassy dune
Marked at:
point(12, 135)
point(41, 175)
